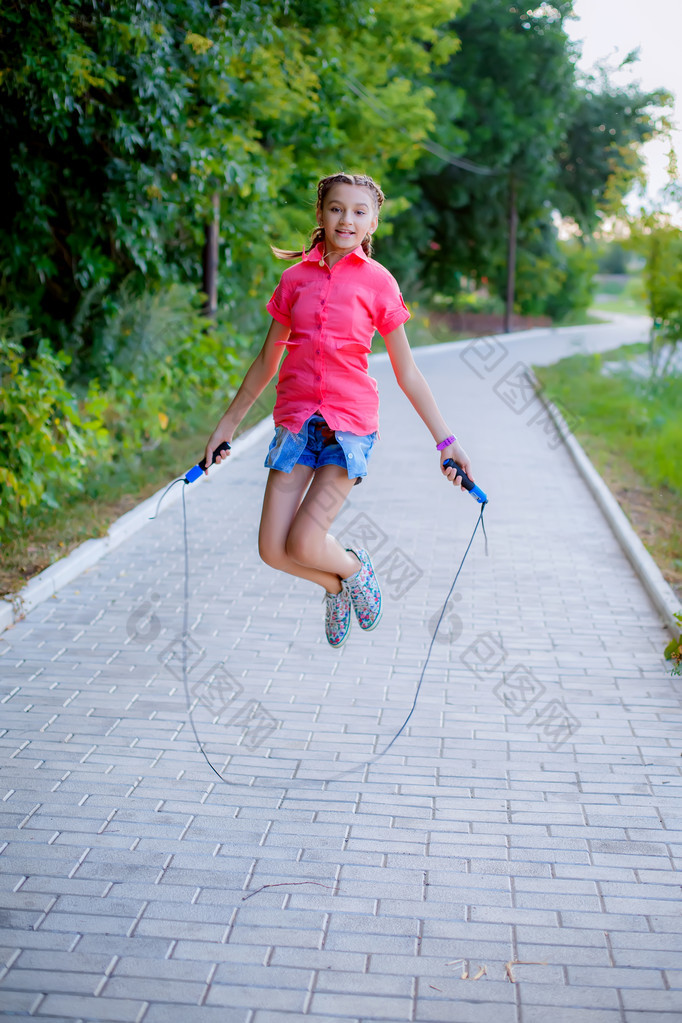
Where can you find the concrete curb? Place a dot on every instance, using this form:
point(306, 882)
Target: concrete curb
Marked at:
point(661, 594)
point(64, 571)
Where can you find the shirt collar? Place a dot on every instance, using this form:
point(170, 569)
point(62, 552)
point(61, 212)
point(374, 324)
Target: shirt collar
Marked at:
point(316, 253)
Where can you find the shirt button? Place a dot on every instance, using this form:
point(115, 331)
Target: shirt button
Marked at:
point(318, 351)
point(350, 454)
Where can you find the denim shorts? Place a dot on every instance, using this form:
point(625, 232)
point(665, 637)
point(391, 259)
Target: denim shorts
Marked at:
point(316, 445)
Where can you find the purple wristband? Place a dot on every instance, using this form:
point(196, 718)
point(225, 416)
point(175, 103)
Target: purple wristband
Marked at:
point(446, 443)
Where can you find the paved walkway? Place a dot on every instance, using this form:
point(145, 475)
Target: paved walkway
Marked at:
point(528, 813)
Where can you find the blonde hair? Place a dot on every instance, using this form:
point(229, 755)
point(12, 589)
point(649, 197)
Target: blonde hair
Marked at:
point(361, 181)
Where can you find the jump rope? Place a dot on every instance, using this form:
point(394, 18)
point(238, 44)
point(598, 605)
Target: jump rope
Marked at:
point(198, 470)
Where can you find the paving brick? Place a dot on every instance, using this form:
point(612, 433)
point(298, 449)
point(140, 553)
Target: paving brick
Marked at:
point(338, 982)
point(274, 1016)
point(499, 914)
point(20, 1003)
point(34, 939)
point(562, 953)
point(440, 1011)
point(638, 1000)
point(636, 949)
point(256, 998)
point(28, 979)
point(447, 949)
point(614, 976)
point(119, 1010)
point(346, 941)
point(538, 1014)
point(120, 945)
point(666, 924)
point(362, 1005)
point(154, 989)
point(569, 996)
point(160, 1013)
point(298, 978)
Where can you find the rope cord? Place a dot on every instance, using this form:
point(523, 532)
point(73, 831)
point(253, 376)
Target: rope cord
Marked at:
point(185, 618)
point(185, 631)
point(180, 479)
point(479, 521)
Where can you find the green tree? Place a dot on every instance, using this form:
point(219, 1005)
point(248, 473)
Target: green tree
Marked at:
point(139, 121)
point(598, 155)
point(510, 81)
point(508, 101)
point(659, 240)
point(106, 149)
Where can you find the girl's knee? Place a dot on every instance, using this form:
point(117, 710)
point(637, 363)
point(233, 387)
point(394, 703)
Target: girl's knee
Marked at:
point(271, 554)
point(303, 547)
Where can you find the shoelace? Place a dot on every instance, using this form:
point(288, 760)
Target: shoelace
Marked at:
point(335, 608)
point(360, 598)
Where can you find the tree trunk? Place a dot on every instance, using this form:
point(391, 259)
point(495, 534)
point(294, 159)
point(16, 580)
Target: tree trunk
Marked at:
point(511, 258)
point(210, 260)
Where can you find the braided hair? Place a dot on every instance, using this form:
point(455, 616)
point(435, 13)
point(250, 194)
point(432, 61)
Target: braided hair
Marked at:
point(361, 181)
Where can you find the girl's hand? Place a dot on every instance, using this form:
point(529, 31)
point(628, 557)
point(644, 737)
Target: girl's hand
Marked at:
point(457, 453)
point(221, 433)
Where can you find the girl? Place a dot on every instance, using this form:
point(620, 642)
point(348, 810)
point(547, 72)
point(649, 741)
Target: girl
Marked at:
point(324, 313)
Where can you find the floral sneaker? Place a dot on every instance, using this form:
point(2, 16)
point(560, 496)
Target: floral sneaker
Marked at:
point(337, 616)
point(364, 592)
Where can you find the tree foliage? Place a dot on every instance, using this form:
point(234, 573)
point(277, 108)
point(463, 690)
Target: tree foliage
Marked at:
point(599, 153)
point(531, 128)
point(659, 239)
point(117, 132)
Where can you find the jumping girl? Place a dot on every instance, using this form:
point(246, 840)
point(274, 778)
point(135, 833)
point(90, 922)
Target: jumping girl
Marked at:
point(324, 311)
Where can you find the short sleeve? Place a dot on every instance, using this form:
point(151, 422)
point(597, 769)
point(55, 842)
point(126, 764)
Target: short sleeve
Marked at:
point(279, 305)
point(389, 308)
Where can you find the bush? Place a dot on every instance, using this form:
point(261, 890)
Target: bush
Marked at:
point(577, 285)
point(673, 651)
point(612, 258)
point(157, 357)
point(47, 436)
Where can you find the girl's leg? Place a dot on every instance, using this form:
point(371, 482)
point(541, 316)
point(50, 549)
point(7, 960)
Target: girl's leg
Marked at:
point(294, 525)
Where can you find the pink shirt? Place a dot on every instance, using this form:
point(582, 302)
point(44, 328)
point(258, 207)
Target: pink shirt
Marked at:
point(333, 315)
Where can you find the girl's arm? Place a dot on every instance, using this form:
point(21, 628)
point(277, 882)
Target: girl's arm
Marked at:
point(258, 376)
point(412, 383)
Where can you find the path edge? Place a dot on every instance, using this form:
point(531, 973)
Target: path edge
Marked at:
point(659, 591)
point(47, 583)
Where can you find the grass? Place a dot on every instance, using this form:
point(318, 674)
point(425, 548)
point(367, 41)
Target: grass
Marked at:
point(620, 293)
point(631, 429)
point(580, 319)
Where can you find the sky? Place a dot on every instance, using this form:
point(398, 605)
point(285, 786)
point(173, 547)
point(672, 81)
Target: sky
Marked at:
point(611, 29)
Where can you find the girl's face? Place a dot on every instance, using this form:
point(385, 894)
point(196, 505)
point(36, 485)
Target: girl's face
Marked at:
point(348, 214)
